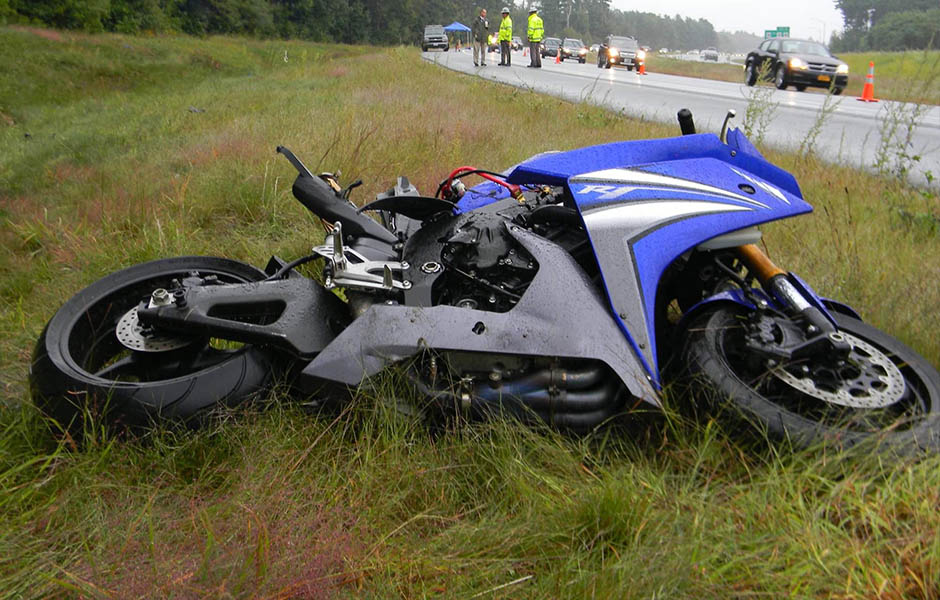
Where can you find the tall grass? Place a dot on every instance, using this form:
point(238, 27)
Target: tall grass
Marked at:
point(146, 147)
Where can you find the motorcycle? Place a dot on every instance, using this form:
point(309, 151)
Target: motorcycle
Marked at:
point(568, 289)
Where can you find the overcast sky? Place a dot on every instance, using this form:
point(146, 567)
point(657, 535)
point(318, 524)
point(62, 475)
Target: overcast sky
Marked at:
point(806, 18)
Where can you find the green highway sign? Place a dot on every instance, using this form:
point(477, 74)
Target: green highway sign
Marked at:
point(778, 32)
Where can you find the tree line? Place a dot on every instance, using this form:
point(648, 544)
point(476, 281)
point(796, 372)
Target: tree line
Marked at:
point(380, 22)
point(888, 25)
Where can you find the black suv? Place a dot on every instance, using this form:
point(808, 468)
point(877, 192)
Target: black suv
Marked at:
point(618, 50)
point(435, 37)
point(800, 63)
point(573, 48)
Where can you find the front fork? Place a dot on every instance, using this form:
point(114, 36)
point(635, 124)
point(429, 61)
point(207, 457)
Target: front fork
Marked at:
point(776, 283)
point(820, 332)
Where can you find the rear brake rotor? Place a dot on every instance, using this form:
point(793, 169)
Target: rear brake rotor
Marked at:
point(132, 334)
point(876, 381)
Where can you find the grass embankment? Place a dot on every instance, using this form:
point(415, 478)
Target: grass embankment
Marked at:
point(903, 76)
point(117, 150)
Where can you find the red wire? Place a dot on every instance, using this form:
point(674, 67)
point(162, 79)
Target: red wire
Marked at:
point(513, 189)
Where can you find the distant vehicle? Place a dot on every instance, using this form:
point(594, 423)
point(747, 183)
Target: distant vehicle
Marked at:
point(710, 53)
point(618, 50)
point(516, 42)
point(435, 37)
point(550, 47)
point(573, 48)
point(595, 47)
point(664, 50)
point(800, 63)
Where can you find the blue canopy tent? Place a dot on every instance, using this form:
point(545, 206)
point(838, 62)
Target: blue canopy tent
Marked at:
point(456, 27)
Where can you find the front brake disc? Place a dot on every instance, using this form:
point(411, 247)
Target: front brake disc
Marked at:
point(874, 382)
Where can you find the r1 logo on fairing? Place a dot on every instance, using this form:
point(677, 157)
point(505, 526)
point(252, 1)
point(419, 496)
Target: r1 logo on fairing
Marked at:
point(608, 192)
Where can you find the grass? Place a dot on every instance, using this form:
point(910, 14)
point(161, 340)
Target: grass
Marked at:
point(902, 76)
point(140, 148)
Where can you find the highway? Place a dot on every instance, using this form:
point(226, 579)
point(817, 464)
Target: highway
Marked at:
point(851, 134)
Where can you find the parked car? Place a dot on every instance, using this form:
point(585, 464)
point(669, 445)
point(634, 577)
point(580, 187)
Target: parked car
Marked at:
point(800, 63)
point(550, 47)
point(710, 53)
point(619, 50)
point(435, 37)
point(516, 42)
point(573, 48)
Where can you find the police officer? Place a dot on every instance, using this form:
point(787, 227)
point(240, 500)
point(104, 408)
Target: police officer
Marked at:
point(536, 33)
point(505, 39)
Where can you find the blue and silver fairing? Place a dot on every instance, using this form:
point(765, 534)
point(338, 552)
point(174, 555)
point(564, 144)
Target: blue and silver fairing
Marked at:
point(645, 203)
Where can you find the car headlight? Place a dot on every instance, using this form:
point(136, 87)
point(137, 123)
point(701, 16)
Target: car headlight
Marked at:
point(842, 69)
point(613, 52)
point(582, 51)
point(798, 63)
point(640, 54)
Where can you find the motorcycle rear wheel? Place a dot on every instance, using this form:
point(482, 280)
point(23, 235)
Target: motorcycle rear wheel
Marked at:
point(724, 372)
point(82, 375)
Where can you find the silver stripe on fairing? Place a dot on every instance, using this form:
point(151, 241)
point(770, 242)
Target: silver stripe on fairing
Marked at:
point(776, 193)
point(614, 230)
point(655, 180)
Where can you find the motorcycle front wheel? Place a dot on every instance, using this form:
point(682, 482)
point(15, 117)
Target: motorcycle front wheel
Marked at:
point(882, 392)
point(82, 370)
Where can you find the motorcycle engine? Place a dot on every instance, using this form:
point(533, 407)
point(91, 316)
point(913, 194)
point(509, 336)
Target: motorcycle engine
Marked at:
point(472, 261)
point(485, 268)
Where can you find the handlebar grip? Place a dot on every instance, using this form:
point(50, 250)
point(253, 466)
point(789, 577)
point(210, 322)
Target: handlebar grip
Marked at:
point(686, 124)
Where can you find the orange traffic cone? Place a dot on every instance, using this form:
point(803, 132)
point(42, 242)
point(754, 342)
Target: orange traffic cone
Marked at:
point(642, 69)
point(558, 57)
point(525, 52)
point(868, 92)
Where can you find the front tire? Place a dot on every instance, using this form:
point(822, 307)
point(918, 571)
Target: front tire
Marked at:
point(724, 372)
point(780, 77)
point(80, 368)
point(750, 74)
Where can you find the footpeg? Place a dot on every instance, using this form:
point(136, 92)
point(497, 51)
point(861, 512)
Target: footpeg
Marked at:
point(348, 268)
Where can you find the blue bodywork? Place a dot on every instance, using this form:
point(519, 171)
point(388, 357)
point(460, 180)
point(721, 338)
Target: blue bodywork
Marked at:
point(645, 203)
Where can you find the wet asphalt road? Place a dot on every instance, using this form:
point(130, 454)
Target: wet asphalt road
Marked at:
point(850, 134)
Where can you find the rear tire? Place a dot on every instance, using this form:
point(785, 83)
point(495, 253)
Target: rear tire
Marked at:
point(837, 91)
point(81, 370)
point(800, 87)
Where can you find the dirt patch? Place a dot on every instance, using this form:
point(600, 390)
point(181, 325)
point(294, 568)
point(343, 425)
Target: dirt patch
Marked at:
point(6, 119)
point(46, 34)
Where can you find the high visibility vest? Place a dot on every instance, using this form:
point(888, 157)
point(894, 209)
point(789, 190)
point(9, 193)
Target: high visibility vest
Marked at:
point(505, 29)
point(536, 29)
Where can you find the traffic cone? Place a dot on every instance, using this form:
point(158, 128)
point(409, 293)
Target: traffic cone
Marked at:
point(525, 51)
point(868, 92)
point(558, 57)
point(642, 69)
